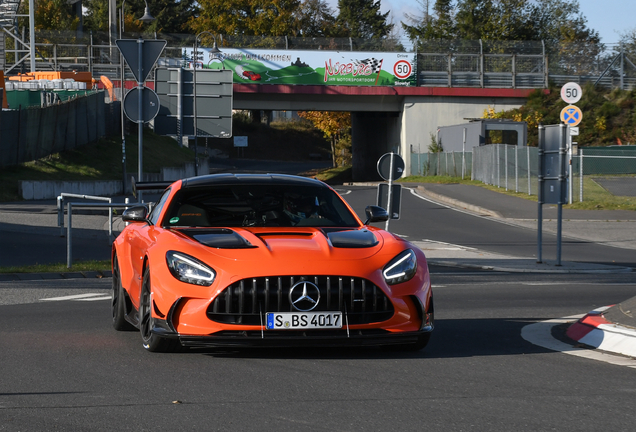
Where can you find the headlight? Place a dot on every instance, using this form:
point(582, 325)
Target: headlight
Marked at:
point(188, 269)
point(401, 268)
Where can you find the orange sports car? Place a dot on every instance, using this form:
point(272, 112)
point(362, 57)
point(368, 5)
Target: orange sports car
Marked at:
point(266, 260)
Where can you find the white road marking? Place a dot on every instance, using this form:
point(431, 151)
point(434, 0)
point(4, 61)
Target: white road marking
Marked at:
point(73, 297)
point(541, 334)
point(94, 298)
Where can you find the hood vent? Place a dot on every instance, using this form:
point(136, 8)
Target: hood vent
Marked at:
point(362, 238)
point(218, 238)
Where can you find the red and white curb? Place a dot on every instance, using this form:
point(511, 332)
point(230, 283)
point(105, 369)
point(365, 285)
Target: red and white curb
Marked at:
point(594, 330)
point(540, 334)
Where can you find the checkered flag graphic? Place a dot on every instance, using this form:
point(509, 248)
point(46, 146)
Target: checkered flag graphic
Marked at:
point(372, 63)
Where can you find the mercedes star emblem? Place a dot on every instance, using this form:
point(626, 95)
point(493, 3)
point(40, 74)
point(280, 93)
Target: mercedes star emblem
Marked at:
point(306, 299)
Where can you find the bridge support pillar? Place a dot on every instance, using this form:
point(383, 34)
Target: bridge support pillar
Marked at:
point(372, 135)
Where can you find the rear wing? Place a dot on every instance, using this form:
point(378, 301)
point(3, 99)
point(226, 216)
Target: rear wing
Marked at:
point(137, 186)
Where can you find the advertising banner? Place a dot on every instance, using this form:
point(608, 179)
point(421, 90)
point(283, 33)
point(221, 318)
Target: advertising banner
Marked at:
point(263, 66)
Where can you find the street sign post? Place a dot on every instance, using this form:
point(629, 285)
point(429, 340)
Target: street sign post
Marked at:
point(141, 55)
point(390, 167)
point(396, 199)
point(552, 177)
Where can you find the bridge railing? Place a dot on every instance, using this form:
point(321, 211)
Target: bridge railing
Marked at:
point(455, 63)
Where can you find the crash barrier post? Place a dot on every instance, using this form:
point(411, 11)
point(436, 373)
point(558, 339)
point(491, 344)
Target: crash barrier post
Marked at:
point(60, 211)
point(69, 228)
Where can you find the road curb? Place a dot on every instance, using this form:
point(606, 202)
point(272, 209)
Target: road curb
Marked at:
point(457, 204)
point(596, 331)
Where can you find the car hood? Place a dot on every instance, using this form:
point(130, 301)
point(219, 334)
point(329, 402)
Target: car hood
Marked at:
point(280, 243)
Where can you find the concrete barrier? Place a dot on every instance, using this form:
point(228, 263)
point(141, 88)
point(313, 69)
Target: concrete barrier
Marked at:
point(39, 190)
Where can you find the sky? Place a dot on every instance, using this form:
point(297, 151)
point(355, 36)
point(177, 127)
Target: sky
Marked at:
point(609, 17)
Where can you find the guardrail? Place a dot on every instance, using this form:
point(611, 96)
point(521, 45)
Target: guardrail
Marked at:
point(69, 225)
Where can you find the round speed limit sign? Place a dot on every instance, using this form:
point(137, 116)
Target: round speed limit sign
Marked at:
point(571, 93)
point(402, 69)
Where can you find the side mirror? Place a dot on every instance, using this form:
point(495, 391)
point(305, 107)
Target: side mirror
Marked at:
point(135, 214)
point(375, 214)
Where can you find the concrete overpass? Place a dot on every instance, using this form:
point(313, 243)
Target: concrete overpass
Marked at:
point(384, 119)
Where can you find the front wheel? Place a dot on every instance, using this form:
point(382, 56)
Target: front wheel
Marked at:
point(150, 340)
point(118, 302)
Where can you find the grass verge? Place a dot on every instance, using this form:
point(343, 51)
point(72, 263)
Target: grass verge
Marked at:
point(79, 266)
point(594, 195)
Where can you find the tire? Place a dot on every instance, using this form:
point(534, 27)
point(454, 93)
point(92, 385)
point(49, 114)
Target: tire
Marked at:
point(118, 302)
point(151, 341)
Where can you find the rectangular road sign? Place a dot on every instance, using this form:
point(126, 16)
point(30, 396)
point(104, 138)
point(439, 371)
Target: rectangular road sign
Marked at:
point(214, 93)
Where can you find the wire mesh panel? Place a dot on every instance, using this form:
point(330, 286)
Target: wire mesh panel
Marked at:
point(510, 167)
point(453, 164)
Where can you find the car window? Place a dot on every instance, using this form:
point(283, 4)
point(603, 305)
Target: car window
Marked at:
point(156, 211)
point(259, 205)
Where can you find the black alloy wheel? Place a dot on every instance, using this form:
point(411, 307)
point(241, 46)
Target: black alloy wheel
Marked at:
point(150, 340)
point(118, 302)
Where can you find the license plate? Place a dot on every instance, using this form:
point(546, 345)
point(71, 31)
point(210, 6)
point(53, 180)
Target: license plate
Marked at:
point(303, 320)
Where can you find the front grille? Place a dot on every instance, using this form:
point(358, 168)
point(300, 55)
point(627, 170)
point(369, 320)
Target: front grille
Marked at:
point(246, 301)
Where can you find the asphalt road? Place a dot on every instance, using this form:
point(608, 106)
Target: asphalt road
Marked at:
point(422, 219)
point(65, 368)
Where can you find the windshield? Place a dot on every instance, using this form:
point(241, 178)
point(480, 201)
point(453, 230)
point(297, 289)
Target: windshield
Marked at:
point(258, 206)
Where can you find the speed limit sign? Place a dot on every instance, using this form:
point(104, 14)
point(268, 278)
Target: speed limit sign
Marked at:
point(402, 69)
point(571, 93)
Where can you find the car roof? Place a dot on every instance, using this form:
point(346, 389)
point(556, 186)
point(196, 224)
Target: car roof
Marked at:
point(251, 179)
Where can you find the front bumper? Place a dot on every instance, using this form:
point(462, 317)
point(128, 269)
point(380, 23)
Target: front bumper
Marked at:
point(293, 338)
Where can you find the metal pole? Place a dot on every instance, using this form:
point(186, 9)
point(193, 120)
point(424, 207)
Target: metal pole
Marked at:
point(69, 243)
point(516, 168)
point(562, 155)
point(570, 178)
point(498, 168)
point(194, 99)
point(540, 193)
point(581, 174)
point(31, 35)
point(464, 155)
point(505, 147)
point(529, 179)
point(140, 112)
point(388, 202)
point(121, 101)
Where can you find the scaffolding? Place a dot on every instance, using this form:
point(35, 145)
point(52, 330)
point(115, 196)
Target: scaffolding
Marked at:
point(23, 48)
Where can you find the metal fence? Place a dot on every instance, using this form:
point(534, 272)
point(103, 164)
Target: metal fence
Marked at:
point(453, 164)
point(440, 63)
point(507, 166)
point(516, 168)
point(30, 134)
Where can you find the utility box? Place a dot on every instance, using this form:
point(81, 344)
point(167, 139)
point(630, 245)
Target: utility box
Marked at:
point(479, 132)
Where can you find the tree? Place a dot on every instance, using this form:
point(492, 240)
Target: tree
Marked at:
point(553, 21)
point(52, 15)
point(316, 19)
point(170, 16)
point(247, 17)
point(362, 19)
point(334, 125)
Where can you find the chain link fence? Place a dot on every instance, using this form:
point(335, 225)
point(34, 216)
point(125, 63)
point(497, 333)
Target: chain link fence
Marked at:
point(453, 164)
point(515, 168)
